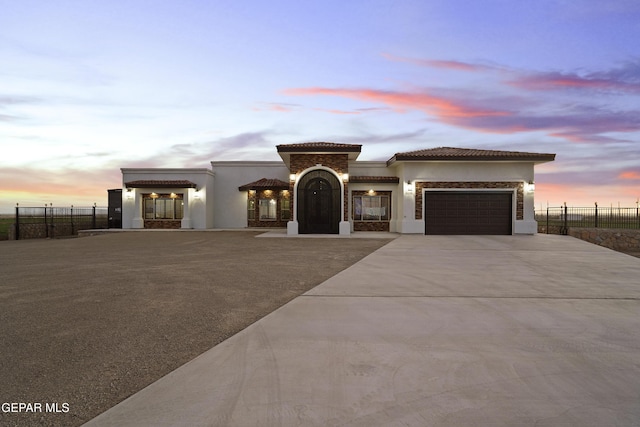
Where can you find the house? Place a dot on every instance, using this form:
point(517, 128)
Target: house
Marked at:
point(322, 188)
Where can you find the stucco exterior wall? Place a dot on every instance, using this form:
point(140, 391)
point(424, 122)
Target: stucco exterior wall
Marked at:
point(471, 172)
point(219, 203)
point(230, 207)
point(197, 202)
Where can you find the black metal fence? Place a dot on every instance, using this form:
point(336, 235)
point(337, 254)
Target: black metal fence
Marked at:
point(557, 220)
point(50, 221)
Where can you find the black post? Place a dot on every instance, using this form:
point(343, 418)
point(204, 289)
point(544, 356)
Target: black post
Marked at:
point(566, 229)
point(596, 214)
point(52, 219)
point(547, 218)
point(72, 220)
point(17, 224)
point(93, 221)
point(46, 226)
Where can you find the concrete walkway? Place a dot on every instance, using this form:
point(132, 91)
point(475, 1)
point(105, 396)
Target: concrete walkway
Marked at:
point(428, 331)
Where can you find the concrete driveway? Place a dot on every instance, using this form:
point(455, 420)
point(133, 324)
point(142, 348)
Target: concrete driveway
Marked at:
point(428, 331)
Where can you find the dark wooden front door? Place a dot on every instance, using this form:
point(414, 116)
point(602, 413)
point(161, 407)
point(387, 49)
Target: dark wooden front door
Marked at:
point(318, 206)
point(318, 203)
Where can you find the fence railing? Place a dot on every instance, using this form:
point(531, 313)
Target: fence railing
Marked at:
point(559, 219)
point(50, 221)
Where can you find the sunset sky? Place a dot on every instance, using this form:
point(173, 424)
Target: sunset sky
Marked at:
point(88, 87)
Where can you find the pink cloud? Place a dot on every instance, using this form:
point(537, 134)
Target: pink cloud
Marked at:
point(437, 63)
point(437, 105)
point(630, 175)
point(462, 110)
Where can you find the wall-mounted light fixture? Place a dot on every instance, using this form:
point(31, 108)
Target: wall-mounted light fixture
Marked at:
point(531, 186)
point(408, 187)
point(292, 177)
point(196, 194)
point(129, 193)
point(345, 177)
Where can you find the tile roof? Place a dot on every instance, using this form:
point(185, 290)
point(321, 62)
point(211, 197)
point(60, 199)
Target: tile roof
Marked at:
point(265, 184)
point(318, 146)
point(449, 153)
point(160, 183)
point(374, 179)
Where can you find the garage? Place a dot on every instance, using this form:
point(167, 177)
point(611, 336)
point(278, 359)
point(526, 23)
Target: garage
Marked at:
point(474, 212)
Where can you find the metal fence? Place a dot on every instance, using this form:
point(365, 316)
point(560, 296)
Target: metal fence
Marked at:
point(557, 220)
point(50, 221)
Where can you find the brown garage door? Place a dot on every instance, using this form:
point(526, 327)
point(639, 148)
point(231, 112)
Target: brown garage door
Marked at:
point(477, 212)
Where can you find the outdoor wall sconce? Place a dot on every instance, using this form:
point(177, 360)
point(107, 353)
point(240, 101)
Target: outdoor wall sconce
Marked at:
point(531, 186)
point(196, 194)
point(129, 193)
point(292, 177)
point(409, 187)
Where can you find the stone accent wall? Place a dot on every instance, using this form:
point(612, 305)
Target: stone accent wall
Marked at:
point(337, 162)
point(162, 224)
point(278, 195)
point(519, 186)
point(371, 225)
point(616, 239)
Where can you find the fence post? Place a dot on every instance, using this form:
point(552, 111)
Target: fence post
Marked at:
point(46, 225)
point(566, 228)
point(93, 220)
point(596, 214)
point(17, 224)
point(547, 218)
point(52, 219)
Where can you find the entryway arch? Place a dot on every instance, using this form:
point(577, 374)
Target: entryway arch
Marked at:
point(319, 202)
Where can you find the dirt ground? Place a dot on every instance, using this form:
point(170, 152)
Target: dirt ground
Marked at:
point(86, 322)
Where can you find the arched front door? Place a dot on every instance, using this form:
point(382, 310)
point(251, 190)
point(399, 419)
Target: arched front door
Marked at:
point(318, 203)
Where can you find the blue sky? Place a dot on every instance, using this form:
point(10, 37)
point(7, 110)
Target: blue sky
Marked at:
point(88, 87)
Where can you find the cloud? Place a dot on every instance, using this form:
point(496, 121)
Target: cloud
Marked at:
point(477, 111)
point(7, 101)
point(403, 101)
point(336, 111)
point(623, 79)
point(439, 63)
point(65, 187)
point(279, 107)
point(630, 175)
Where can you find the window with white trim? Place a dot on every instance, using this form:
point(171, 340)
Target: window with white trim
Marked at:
point(371, 208)
point(163, 206)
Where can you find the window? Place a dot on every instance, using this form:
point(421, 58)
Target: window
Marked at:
point(371, 208)
point(251, 209)
point(285, 209)
point(267, 208)
point(163, 206)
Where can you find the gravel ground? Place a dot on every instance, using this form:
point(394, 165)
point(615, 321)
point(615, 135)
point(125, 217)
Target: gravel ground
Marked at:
point(86, 322)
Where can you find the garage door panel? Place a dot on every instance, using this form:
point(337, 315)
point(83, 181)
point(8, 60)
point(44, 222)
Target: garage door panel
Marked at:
point(474, 213)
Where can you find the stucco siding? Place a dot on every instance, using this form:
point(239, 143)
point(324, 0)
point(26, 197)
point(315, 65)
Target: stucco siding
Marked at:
point(230, 207)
